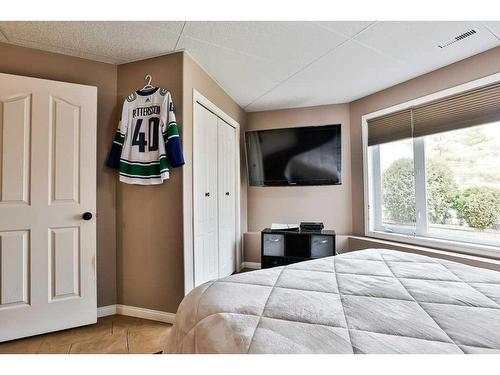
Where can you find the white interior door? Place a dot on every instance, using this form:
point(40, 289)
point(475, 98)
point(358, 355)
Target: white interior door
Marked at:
point(205, 226)
point(47, 181)
point(226, 194)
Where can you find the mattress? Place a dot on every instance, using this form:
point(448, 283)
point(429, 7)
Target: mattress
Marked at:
point(370, 301)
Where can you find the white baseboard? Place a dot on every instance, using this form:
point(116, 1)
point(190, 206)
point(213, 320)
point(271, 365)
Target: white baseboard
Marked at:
point(137, 312)
point(106, 311)
point(251, 265)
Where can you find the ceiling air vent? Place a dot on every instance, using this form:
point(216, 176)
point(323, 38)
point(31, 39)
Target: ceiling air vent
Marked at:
point(457, 38)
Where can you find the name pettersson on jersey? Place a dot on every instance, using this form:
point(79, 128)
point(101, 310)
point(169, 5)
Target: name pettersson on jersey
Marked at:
point(146, 111)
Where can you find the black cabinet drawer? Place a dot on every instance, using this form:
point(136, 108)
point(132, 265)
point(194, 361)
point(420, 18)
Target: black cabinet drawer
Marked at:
point(268, 262)
point(273, 245)
point(322, 246)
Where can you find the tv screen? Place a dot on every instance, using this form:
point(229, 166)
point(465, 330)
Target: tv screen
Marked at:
point(294, 156)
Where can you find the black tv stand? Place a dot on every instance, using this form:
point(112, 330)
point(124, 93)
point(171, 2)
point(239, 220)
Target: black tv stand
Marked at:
point(281, 247)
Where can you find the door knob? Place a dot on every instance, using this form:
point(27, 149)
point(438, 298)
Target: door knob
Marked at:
point(87, 216)
point(227, 192)
point(207, 194)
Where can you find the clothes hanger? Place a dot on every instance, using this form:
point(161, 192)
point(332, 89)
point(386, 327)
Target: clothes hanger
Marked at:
point(148, 86)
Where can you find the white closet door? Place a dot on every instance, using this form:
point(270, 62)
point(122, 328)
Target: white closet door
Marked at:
point(205, 225)
point(47, 182)
point(227, 202)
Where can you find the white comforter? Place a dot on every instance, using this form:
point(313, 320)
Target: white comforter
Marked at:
point(370, 301)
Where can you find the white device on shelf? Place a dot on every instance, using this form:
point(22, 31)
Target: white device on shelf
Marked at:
point(277, 226)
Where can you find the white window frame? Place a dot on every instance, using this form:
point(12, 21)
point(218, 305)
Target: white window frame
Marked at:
point(419, 155)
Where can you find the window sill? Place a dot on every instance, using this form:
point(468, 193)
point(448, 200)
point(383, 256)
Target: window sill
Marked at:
point(487, 251)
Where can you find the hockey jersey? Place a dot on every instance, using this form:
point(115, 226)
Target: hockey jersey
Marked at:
point(147, 142)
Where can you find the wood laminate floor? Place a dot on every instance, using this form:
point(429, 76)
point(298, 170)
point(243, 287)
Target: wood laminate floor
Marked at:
point(110, 335)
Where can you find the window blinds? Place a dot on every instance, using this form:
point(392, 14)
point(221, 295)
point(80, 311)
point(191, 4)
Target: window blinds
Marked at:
point(389, 128)
point(474, 107)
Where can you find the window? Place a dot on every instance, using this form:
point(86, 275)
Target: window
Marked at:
point(394, 187)
point(463, 184)
point(436, 181)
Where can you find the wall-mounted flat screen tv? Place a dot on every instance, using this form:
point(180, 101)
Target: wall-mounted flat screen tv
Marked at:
point(309, 155)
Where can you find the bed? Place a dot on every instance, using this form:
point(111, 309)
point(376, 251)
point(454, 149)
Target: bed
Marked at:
point(370, 301)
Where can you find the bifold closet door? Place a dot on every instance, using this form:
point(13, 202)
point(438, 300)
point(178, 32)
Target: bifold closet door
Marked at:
point(227, 203)
point(205, 224)
point(47, 184)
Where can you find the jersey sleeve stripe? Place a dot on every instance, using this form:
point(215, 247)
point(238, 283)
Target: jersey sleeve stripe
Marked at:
point(173, 130)
point(119, 138)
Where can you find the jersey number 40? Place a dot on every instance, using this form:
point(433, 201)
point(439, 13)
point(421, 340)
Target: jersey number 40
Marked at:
point(139, 138)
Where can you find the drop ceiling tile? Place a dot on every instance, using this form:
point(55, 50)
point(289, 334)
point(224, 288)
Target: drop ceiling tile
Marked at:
point(417, 42)
point(64, 51)
point(494, 27)
point(116, 41)
point(173, 27)
point(291, 45)
point(241, 76)
point(348, 73)
point(347, 28)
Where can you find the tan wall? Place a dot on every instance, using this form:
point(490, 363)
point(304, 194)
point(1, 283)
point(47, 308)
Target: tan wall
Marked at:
point(149, 218)
point(329, 204)
point(472, 68)
point(47, 65)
